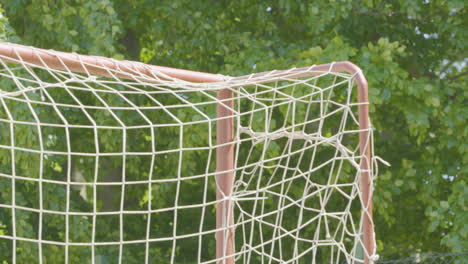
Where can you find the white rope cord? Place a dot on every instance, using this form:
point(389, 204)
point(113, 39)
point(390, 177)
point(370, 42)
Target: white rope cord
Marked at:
point(105, 170)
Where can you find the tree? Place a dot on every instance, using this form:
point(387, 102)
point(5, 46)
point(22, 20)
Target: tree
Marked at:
point(412, 52)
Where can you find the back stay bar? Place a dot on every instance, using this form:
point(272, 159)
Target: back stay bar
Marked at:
point(100, 66)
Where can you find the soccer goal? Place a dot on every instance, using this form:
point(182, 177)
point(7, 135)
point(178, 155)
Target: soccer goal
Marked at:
point(109, 161)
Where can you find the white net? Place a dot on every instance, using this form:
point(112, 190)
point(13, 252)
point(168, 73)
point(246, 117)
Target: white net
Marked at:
point(109, 170)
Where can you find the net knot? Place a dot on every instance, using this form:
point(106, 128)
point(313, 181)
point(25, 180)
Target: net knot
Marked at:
point(374, 257)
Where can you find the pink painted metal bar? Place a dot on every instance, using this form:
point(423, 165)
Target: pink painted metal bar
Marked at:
point(225, 164)
point(97, 65)
point(225, 125)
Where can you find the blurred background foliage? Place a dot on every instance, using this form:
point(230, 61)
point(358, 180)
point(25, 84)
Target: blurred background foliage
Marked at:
point(413, 53)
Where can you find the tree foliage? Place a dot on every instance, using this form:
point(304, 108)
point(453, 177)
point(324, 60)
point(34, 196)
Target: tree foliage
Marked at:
point(413, 54)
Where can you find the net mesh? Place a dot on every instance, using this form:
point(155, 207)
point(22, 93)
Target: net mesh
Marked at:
point(110, 170)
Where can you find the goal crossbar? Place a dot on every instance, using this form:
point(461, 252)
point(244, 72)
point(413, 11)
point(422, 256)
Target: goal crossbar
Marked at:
point(107, 67)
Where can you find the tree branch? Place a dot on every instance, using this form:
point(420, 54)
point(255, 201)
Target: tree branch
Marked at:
point(458, 75)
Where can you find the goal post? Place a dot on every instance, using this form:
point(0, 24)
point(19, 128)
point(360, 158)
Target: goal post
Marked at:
point(269, 167)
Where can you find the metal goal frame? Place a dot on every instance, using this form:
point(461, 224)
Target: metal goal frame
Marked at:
point(225, 126)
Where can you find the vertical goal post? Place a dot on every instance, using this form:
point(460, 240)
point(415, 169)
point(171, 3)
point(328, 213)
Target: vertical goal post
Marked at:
point(227, 123)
